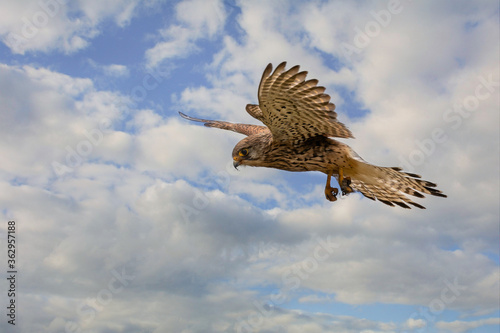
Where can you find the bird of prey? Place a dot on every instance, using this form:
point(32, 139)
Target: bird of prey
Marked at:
point(300, 122)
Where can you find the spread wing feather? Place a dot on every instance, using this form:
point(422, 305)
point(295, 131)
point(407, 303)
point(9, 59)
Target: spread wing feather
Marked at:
point(245, 129)
point(294, 109)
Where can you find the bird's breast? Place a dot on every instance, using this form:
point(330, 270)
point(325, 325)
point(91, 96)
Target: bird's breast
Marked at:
point(319, 155)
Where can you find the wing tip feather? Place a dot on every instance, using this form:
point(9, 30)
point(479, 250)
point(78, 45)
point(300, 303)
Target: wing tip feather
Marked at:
point(401, 204)
point(416, 205)
point(388, 203)
point(185, 116)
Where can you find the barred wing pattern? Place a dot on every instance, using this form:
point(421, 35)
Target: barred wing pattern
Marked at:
point(392, 185)
point(245, 129)
point(295, 109)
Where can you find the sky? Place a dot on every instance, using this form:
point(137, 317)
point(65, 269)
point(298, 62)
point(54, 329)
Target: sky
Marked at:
point(132, 219)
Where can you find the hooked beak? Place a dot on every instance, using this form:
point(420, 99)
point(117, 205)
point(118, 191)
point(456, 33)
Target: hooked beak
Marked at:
point(236, 162)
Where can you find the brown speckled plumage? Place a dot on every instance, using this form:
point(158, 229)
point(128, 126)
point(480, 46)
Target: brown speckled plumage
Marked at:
point(300, 123)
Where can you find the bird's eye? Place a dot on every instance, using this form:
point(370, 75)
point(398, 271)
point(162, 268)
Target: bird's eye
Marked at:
point(243, 152)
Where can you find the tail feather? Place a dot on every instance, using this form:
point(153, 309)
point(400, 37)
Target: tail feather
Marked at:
point(391, 186)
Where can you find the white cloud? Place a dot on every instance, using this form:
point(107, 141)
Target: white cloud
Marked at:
point(412, 324)
point(214, 102)
point(167, 147)
point(116, 70)
point(58, 25)
point(459, 326)
point(40, 104)
point(197, 19)
point(121, 11)
point(315, 299)
point(111, 70)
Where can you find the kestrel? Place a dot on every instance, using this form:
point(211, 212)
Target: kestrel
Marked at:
point(300, 121)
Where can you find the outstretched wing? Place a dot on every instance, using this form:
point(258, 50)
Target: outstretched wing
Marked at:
point(295, 109)
point(239, 128)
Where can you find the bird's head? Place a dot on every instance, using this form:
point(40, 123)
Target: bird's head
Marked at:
point(251, 150)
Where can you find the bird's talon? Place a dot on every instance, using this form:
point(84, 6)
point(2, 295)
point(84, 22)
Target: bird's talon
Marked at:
point(346, 189)
point(331, 193)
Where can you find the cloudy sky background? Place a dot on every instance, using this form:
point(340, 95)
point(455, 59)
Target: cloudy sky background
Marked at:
point(130, 219)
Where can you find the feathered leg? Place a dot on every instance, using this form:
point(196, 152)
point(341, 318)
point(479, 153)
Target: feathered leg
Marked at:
point(330, 192)
point(344, 183)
